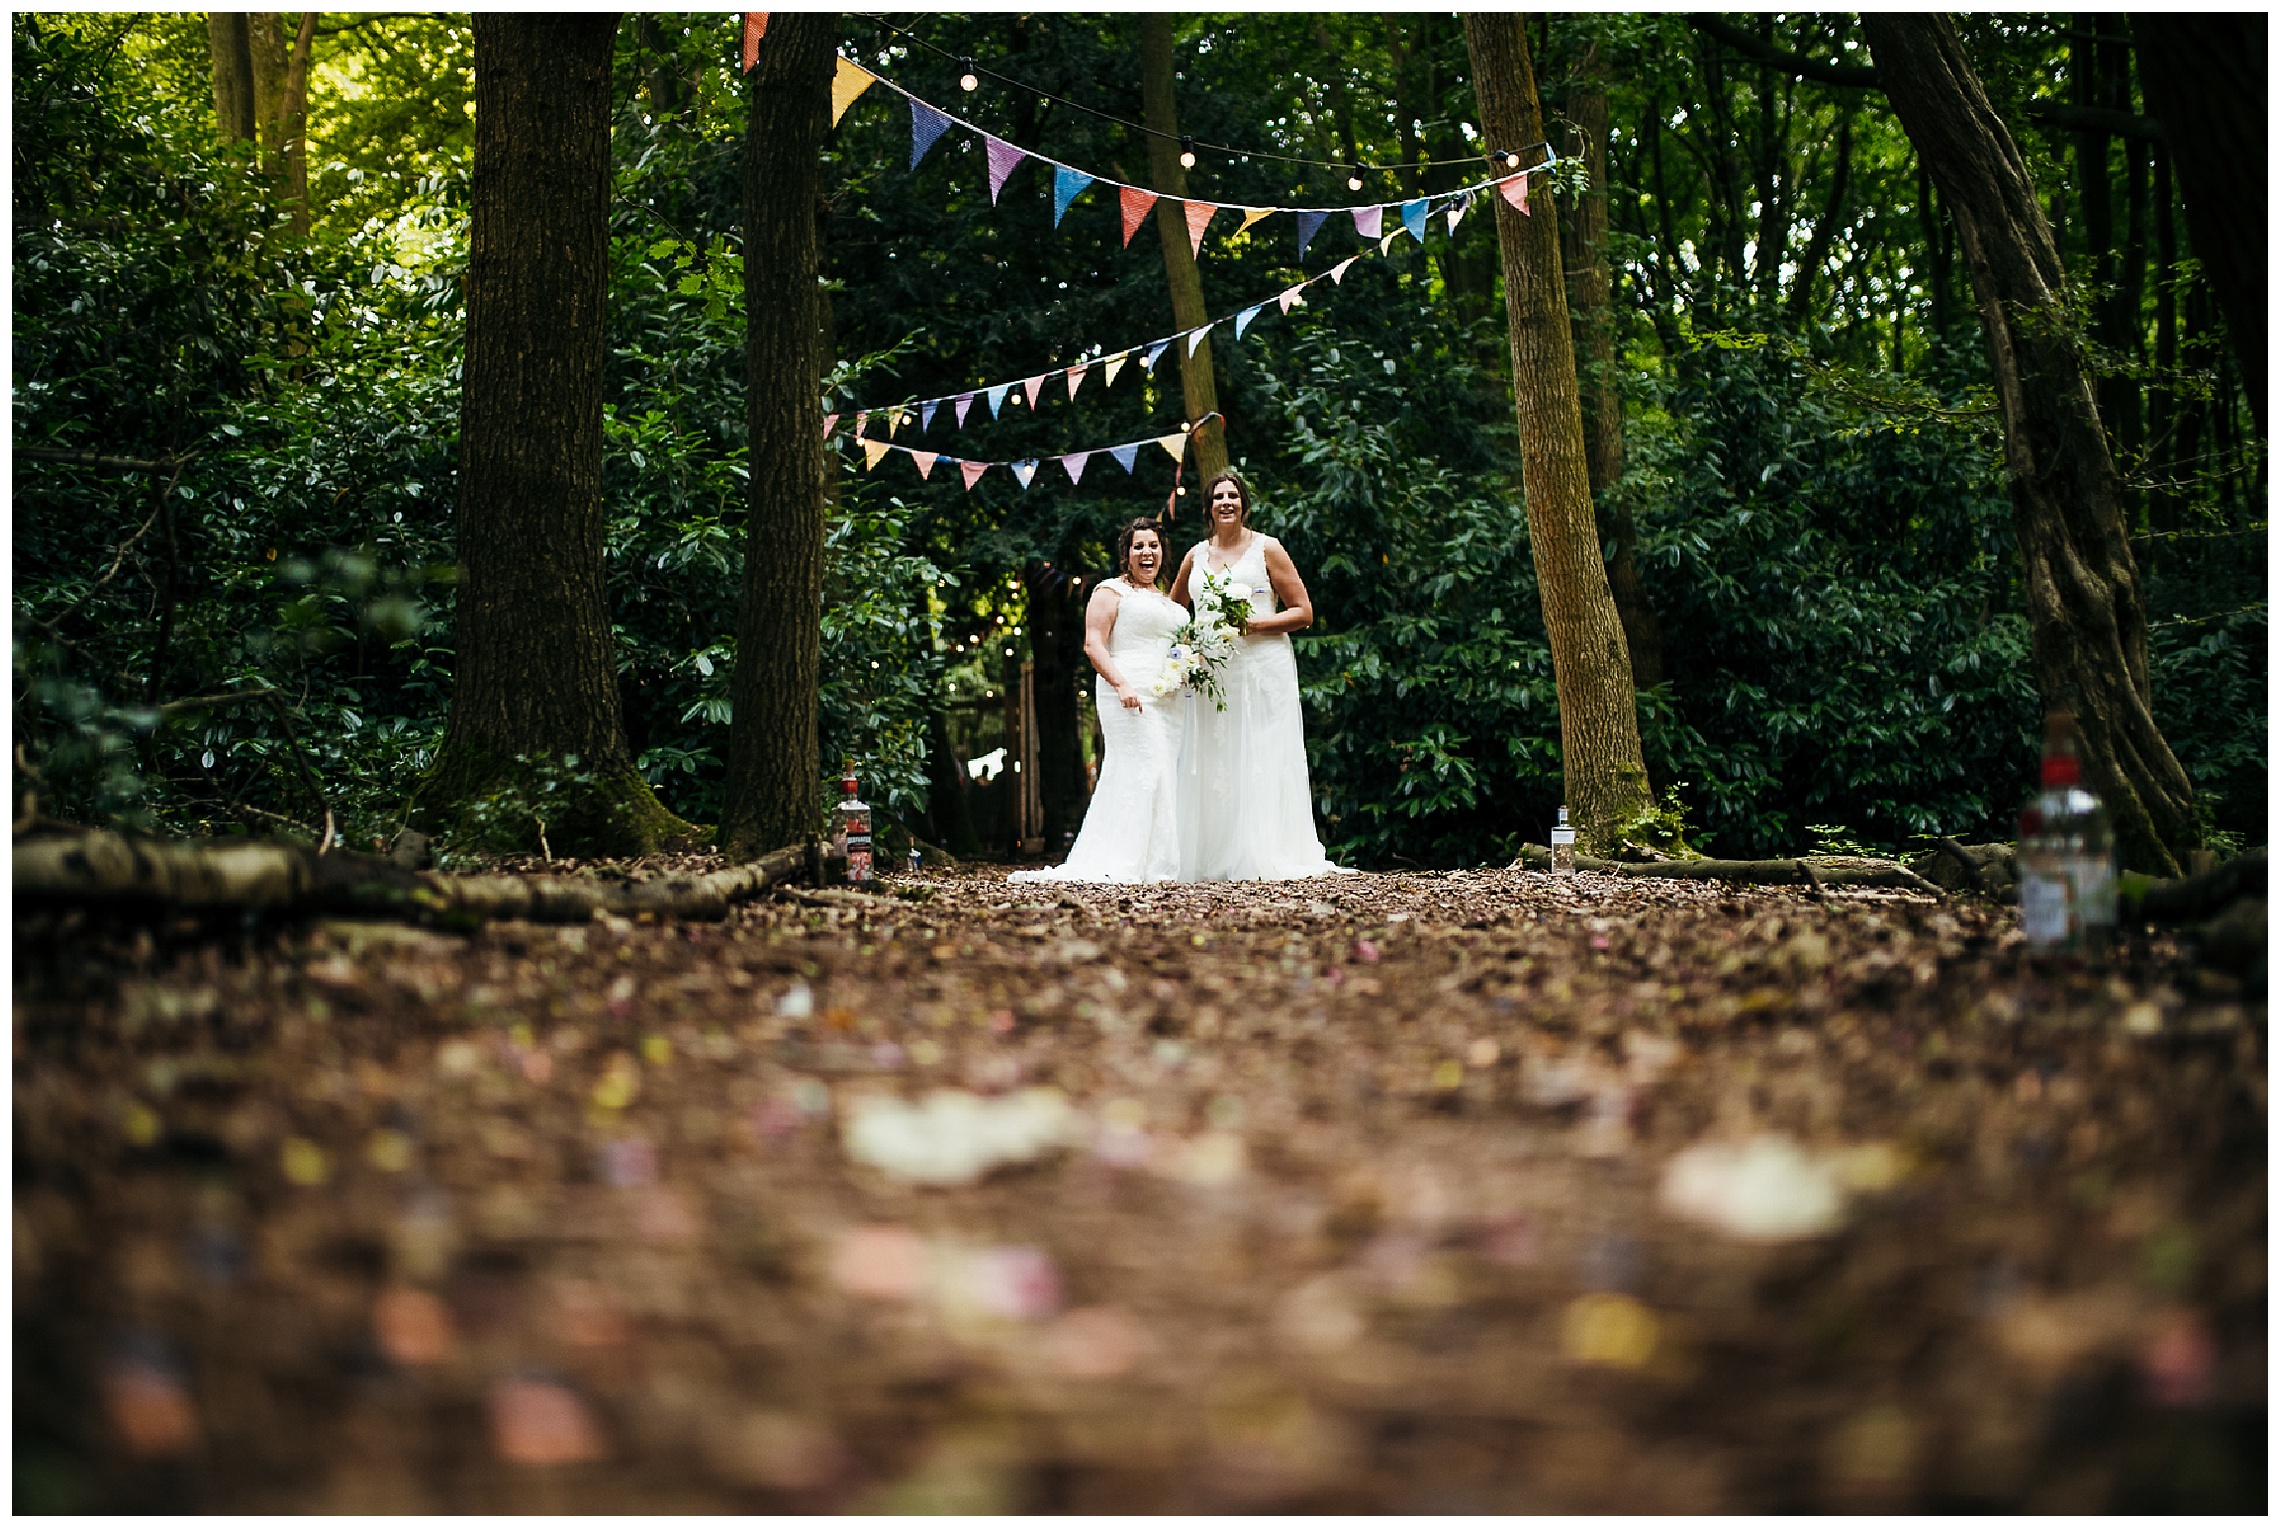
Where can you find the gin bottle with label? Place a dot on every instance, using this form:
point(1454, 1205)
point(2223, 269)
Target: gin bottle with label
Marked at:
point(851, 830)
point(2066, 850)
point(1563, 846)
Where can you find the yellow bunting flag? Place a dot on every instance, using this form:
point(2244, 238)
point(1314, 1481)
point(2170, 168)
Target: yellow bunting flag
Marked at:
point(872, 451)
point(851, 81)
point(1176, 444)
point(1115, 364)
point(1252, 215)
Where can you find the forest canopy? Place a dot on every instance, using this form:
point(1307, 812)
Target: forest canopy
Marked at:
point(237, 409)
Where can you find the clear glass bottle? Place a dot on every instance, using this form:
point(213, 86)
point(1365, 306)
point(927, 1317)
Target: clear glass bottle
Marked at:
point(2066, 851)
point(851, 830)
point(1563, 846)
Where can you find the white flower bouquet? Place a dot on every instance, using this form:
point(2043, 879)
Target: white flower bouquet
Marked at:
point(1206, 640)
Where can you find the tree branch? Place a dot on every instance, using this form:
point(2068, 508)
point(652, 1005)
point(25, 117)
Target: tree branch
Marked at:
point(2096, 119)
point(1757, 52)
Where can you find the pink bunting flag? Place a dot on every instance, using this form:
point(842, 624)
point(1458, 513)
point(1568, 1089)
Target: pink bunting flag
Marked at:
point(1369, 222)
point(973, 472)
point(1074, 464)
point(1292, 297)
point(1076, 376)
point(1516, 190)
point(1003, 157)
point(1036, 385)
point(862, 418)
point(924, 462)
point(829, 421)
point(1136, 203)
point(961, 403)
point(1199, 215)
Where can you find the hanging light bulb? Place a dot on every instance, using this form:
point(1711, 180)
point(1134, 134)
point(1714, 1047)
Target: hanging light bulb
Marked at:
point(1511, 160)
point(1353, 180)
point(967, 79)
point(1187, 153)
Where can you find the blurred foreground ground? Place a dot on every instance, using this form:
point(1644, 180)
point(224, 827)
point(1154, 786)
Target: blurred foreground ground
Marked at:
point(1426, 1193)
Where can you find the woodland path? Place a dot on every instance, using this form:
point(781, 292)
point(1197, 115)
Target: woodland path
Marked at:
point(1361, 1207)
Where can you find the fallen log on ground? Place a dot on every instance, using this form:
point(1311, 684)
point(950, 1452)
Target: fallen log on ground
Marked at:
point(1824, 871)
point(108, 868)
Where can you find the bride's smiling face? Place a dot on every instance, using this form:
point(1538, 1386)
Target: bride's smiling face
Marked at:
point(1145, 559)
point(1226, 506)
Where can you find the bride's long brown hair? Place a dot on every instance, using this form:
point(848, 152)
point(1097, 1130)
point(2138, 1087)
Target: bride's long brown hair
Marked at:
point(1228, 475)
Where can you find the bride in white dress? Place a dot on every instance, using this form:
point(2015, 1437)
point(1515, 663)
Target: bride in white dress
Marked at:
point(1131, 832)
point(1246, 805)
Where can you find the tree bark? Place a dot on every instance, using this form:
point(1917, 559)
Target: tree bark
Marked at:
point(232, 46)
point(293, 123)
point(1591, 308)
point(2203, 78)
point(775, 748)
point(1599, 717)
point(1200, 390)
point(2085, 605)
point(949, 803)
point(1056, 641)
point(537, 680)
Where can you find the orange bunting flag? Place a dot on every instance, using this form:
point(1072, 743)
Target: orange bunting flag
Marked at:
point(973, 472)
point(872, 451)
point(1199, 215)
point(1516, 190)
point(1076, 376)
point(924, 462)
point(851, 80)
point(1136, 203)
point(755, 28)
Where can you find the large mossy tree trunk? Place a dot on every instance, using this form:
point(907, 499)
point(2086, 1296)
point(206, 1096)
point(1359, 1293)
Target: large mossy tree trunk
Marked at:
point(1591, 663)
point(2085, 604)
point(774, 741)
point(534, 735)
point(1591, 309)
point(1056, 641)
point(1200, 389)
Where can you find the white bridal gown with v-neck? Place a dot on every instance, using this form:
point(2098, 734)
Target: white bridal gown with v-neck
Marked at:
point(1246, 805)
point(1131, 831)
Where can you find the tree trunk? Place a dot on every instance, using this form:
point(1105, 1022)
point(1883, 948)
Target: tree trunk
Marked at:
point(1209, 448)
point(949, 804)
point(293, 123)
point(2164, 503)
point(280, 74)
point(668, 91)
point(2085, 605)
point(1056, 640)
point(534, 734)
point(2203, 77)
point(232, 46)
point(1591, 306)
point(774, 746)
point(1599, 717)
point(271, 56)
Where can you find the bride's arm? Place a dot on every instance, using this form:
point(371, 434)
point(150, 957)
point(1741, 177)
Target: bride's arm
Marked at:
point(1180, 580)
point(1298, 609)
point(1100, 624)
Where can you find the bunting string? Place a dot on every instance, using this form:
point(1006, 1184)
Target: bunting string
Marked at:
point(1024, 469)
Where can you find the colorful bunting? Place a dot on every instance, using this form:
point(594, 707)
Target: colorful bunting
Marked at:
point(973, 473)
point(1292, 297)
point(1154, 354)
point(1066, 184)
point(1413, 217)
point(1369, 222)
point(1176, 444)
point(851, 80)
point(997, 397)
point(1199, 215)
point(961, 403)
point(1115, 365)
point(1457, 213)
point(872, 451)
point(1074, 465)
point(1195, 337)
point(894, 422)
point(926, 414)
point(1308, 222)
point(1516, 190)
point(861, 419)
point(1338, 271)
point(828, 421)
point(755, 28)
point(1024, 471)
point(924, 462)
point(1035, 385)
point(1136, 203)
point(1252, 215)
point(1243, 319)
point(926, 125)
point(1003, 157)
point(1386, 243)
point(1125, 455)
point(1076, 376)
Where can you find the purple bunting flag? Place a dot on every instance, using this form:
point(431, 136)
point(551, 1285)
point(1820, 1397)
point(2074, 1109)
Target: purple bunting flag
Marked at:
point(1003, 157)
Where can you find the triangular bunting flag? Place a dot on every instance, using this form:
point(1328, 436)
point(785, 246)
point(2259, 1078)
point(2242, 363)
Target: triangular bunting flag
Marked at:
point(960, 404)
point(1369, 222)
point(1074, 464)
point(872, 451)
point(828, 421)
point(1386, 243)
point(1066, 184)
point(924, 462)
point(1155, 354)
point(1115, 365)
point(862, 418)
point(926, 414)
point(973, 472)
point(1024, 471)
point(1199, 215)
point(894, 422)
point(926, 125)
point(1338, 271)
point(1292, 297)
point(1516, 190)
point(1195, 336)
point(755, 28)
point(1076, 376)
point(1308, 222)
point(997, 398)
point(1252, 215)
point(1176, 444)
point(1135, 203)
point(1003, 157)
point(851, 80)
point(1124, 455)
point(1035, 385)
point(1457, 212)
point(1413, 217)
point(1243, 319)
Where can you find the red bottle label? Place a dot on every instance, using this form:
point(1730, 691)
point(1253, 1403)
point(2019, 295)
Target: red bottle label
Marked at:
point(2061, 769)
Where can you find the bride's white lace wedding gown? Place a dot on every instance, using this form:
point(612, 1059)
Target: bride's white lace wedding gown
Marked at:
point(1131, 832)
point(1246, 804)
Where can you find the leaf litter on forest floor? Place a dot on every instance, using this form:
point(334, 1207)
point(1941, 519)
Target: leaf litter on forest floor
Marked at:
point(1155, 1198)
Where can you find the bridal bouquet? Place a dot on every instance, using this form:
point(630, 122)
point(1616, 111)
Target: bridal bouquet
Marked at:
point(1206, 640)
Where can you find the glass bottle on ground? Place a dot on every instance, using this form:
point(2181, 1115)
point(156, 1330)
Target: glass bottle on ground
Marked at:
point(1563, 846)
point(2066, 850)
